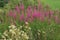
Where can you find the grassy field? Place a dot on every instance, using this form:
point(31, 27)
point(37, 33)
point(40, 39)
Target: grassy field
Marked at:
point(54, 4)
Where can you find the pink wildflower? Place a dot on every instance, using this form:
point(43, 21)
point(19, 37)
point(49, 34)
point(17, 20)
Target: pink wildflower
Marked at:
point(10, 13)
point(22, 7)
point(14, 14)
point(21, 17)
point(29, 10)
point(17, 9)
point(34, 13)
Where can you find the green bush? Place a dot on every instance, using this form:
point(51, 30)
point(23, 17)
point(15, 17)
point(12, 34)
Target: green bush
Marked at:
point(3, 2)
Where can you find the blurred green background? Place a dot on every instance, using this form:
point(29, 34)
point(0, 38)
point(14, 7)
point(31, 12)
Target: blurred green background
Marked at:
point(54, 4)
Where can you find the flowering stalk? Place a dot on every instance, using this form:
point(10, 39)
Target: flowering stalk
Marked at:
point(17, 9)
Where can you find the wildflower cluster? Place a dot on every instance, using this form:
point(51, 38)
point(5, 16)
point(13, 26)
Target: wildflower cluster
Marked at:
point(34, 12)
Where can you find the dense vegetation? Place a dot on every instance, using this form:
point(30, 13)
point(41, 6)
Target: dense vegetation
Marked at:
point(29, 20)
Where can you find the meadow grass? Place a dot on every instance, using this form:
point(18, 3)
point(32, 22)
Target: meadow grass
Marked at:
point(54, 4)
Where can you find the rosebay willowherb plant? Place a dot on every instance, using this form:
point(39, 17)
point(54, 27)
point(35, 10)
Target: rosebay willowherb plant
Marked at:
point(38, 13)
point(31, 13)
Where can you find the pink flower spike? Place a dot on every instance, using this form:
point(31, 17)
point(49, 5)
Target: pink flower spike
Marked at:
point(29, 10)
point(22, 17)
point(17, 9)
point(28, 15)
point(34, 15)
point(22, 7)
point(14, 14)
point(10, 13)
point(39, 14)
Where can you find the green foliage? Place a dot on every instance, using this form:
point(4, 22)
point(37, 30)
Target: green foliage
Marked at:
point(3, 2)
point(54, 4)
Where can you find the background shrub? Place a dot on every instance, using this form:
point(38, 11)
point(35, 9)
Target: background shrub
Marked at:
point(3, 2)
